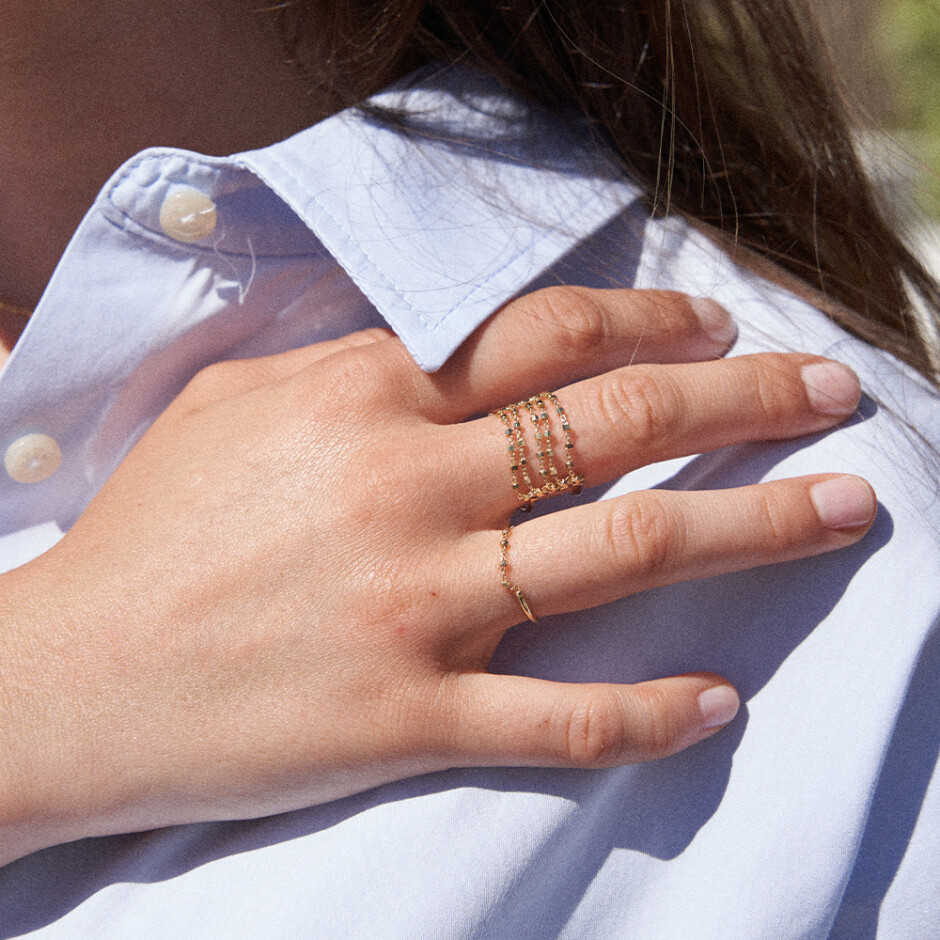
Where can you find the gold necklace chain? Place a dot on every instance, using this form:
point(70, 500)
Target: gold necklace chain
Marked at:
point(16, 310)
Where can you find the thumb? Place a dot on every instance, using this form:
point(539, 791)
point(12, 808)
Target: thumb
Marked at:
point(511, 720)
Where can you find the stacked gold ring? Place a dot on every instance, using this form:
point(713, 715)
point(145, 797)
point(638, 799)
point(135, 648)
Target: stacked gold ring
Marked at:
point(552, 480)
point(535, 459)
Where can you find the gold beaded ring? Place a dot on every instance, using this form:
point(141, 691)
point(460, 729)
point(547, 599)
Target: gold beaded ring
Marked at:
point(534, 456)
point(540, 454)
point(504, 573)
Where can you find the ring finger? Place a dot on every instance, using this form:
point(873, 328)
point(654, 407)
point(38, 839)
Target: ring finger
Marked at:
point(593, 554)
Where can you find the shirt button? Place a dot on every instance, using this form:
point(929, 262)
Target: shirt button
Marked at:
point(188, 215)
point(32, 458)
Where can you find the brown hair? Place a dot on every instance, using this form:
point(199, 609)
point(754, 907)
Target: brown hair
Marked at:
point(726, 110)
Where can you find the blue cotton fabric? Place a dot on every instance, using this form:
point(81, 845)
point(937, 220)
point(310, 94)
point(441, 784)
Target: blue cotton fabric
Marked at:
point(815, 814)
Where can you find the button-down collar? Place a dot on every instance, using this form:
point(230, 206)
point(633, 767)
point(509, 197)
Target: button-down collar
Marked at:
point(418, 224)
point(420, 220)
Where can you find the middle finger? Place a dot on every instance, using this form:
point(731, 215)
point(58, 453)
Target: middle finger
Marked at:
point(638, 415)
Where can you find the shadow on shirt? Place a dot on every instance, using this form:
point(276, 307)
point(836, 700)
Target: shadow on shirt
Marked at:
point(744, 626)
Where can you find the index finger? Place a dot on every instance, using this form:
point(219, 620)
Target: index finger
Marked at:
point(561, 334)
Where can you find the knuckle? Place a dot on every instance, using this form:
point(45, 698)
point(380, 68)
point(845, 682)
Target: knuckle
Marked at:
point(214, 381)
point(595, 733)
point(366, 337)
point(641, 535)
point(774, 516)
point(664, 314)
point(362, 374)
point(658, 731)
point(772, 387)
point(639, 404)
point(384, 488)
point(578, 318)
point(349, 374)
point(389, 483)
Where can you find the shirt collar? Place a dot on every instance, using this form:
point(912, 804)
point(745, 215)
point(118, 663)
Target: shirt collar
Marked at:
point(441, 225)
point(437, 227)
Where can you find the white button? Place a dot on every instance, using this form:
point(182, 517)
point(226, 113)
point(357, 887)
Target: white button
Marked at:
point(32, 458)
point(188, 215)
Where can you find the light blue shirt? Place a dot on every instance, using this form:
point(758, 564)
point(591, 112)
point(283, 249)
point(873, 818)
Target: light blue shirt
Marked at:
point(815, 814)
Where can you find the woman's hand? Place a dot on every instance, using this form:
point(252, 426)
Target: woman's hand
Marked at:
point(290, 589)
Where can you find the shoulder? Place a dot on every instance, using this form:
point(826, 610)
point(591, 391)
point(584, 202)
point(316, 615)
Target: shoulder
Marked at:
point(894, 440)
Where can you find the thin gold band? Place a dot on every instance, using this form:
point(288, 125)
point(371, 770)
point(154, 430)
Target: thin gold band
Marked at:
point(504, 573)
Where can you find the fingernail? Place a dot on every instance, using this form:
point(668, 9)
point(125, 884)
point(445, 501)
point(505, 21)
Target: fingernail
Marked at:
point(716, 321)
point(832, 388)
point(717, 706)
point(843, 503)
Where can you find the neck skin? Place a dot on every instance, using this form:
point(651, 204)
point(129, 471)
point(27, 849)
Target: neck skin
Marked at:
point(87, 85)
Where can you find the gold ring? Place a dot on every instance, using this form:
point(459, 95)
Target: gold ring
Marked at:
point(512, 588)
point(533, 455)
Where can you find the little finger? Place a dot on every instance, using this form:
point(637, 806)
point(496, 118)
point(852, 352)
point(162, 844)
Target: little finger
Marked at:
point(514, 720)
